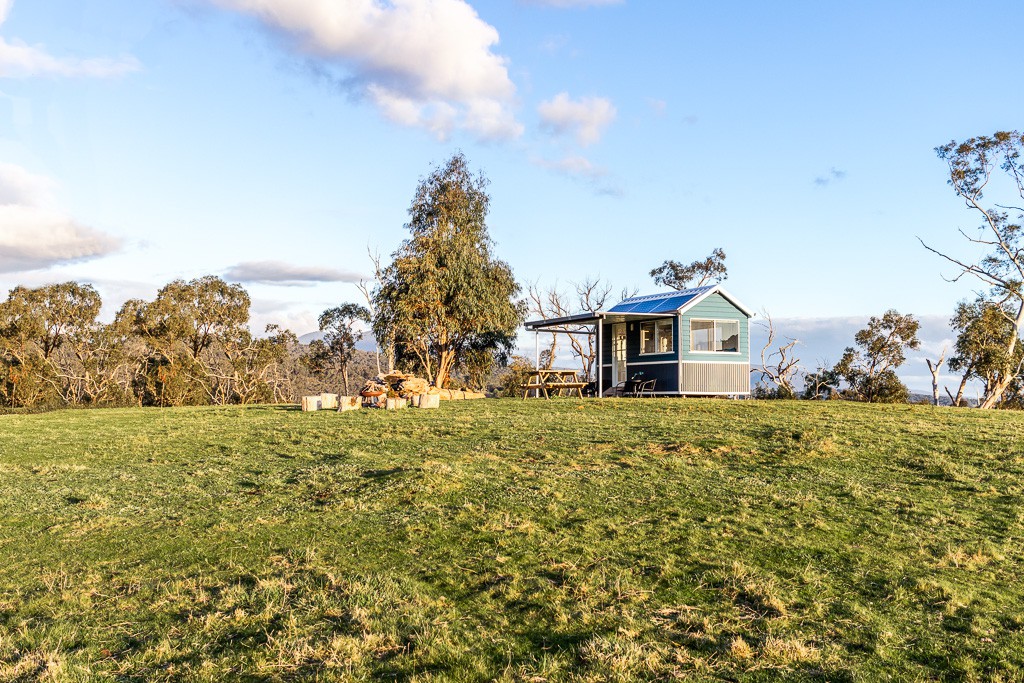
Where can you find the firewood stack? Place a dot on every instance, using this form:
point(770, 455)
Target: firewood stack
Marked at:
point(404, 384)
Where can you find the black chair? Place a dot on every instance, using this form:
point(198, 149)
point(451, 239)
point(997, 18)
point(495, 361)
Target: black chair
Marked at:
point(646, 388)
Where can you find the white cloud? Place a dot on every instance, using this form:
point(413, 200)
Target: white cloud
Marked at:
point(584, 170)
point(574, 166)
point(20, 60)
point(659, 107)
point(586, 118)
point(281, 273)
point(423, 63)
point(20, 186)
point(35, 235)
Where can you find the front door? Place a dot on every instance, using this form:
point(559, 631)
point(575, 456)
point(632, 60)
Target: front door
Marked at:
point(618, 353)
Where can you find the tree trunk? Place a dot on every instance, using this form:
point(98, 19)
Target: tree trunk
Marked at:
point(444, 367)
point(1000, 386)
point(934, 369)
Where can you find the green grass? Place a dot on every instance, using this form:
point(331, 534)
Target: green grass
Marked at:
point(512, 540)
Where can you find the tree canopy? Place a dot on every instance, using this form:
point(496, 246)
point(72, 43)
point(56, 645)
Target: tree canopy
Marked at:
point(697, 274)
point(335, 351)
point(869, 370)
point(444, 292)
point(971, 165)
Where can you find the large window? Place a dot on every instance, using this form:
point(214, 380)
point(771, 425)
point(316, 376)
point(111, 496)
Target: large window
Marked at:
point(656, 336)
point(715, 335)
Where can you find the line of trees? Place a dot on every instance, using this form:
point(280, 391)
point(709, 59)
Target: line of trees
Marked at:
point(189, 345)
point(444, 308)
point(988, 349)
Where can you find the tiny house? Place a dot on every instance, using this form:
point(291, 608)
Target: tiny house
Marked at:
point(694, 342)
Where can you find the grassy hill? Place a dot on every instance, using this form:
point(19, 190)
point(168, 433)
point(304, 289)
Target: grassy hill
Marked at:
point(512, 540)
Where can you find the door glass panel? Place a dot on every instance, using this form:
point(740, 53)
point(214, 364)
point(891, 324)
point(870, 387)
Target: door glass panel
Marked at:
point(618, 353)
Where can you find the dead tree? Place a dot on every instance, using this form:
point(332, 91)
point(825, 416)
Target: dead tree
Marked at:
point(591, 296)
point(934, 369)
point(367, 289)
point(779, 366)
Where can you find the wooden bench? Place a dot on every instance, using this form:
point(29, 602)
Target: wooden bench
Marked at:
point(548, 387)
point(577, 386)
point(530, 386)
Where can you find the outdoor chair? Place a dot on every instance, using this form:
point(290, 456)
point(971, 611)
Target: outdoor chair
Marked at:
point(646, 389)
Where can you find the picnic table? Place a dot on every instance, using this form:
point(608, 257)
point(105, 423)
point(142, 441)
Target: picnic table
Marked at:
point(550, 380)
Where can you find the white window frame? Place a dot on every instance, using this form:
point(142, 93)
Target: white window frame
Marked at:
point(671, 337)
point(715, 322)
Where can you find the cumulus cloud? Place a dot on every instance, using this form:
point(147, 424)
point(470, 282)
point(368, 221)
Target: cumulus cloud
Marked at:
point(281, 273)
point(20, 60)
point(35, 235)
point(422, 63)
point(585, 119)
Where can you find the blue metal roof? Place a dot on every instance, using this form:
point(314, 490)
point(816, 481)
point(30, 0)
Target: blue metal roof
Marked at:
point(668, 302)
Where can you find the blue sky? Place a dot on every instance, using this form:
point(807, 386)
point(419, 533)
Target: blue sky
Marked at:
point(273, 141)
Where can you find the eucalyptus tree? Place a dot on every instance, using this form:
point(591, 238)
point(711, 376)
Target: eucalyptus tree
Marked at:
point(983, 349)
point(869, 370)
point(45, 333)
point(181, 327)
point(678, 276)
point(971, 165)
point(333, 354)
point(444, 291)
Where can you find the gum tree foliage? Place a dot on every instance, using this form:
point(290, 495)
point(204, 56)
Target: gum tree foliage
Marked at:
point(972, 164)
point(983, 348)
point(189, 345)
point(181, 328)
point(333, 354)
point(869, 369)
point(42, 335)
point(822, 383)
point(444, 293)
point(697, 274)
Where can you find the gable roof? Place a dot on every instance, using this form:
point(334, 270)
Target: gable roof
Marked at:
point(675, 302)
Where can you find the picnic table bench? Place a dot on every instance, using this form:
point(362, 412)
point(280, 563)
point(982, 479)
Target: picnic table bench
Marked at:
point(550, 380)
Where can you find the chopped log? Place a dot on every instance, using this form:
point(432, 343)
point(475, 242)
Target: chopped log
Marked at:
point(428, 401)
point(346, 403)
